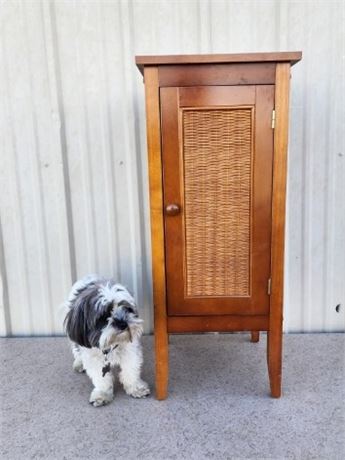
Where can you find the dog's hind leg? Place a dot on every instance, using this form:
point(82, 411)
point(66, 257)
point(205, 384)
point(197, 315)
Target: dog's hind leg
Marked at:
point(78, 362)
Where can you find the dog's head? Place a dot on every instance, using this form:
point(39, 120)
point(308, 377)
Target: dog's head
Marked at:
point(102, 315)
point(123, 325)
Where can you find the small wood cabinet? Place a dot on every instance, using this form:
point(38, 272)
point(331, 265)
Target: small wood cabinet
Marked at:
point(217, 130)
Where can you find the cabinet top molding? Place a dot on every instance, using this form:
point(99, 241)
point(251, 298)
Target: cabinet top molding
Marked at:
point(285, 56)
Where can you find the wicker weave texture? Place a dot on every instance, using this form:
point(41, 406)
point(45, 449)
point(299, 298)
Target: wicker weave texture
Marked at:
point(217, 153)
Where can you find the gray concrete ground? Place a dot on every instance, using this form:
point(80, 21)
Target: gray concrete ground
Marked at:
point(218, 405)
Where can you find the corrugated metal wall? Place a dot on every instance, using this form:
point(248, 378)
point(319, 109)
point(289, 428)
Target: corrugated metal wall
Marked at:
point(74, 195)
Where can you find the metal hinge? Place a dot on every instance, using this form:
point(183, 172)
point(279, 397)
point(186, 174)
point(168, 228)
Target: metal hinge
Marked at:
point(273, 125)
point(269, 286)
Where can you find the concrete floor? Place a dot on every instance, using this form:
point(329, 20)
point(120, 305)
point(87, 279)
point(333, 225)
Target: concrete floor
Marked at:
point(218, 406)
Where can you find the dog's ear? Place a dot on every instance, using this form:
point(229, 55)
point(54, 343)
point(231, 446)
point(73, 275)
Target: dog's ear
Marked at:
point(76, 326)
point(86, 318)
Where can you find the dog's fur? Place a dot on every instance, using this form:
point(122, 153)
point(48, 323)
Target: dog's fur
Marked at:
point(103, 325)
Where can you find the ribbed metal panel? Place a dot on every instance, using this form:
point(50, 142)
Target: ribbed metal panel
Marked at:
point(74, 194)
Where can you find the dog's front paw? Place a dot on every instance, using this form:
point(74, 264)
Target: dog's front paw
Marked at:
point(100, 398)
point(139, 390)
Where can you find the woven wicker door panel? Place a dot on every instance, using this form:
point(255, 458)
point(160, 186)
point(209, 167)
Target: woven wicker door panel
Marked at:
point(217, 176)
point(217, 157)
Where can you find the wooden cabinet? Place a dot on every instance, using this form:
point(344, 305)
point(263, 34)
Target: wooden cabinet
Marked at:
point(217, 144)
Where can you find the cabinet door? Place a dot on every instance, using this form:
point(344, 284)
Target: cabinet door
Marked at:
point(217, 152)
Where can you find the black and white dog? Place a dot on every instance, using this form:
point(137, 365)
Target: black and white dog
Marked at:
point(102, 323)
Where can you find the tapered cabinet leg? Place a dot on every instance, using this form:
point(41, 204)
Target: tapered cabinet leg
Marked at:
point(153, 117)
point(162, 363)
point(255, 336)
point(274, 344)
point(274, 361)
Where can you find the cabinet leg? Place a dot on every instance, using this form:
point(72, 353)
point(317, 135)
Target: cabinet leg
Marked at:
point(162, 362)
point(255, 336)
point(274, 361)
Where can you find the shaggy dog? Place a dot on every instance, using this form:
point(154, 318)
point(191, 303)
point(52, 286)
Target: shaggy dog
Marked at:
point(103, 325)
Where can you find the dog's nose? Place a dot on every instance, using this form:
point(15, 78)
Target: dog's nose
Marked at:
point(120, 324)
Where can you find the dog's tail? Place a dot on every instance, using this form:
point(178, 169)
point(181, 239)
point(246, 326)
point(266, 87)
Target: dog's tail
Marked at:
point(80, 285)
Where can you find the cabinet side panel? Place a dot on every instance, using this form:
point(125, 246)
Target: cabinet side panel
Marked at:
point(279, 188)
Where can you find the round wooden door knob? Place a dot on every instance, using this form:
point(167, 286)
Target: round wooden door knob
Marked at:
point(172, 209)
